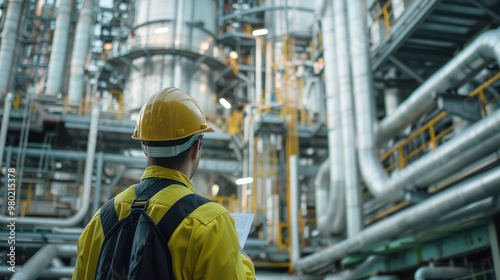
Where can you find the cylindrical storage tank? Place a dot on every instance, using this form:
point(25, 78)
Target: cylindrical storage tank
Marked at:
point(285, 21)
point(150, 75)
point(290, 21)
point(174, 24)
point(185, 25)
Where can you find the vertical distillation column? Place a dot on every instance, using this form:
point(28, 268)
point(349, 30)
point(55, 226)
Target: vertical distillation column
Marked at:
point(9, 39)
point(164, 31)
point(283, 25)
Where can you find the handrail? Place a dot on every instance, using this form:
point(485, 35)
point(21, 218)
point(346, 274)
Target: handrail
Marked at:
point(432, 143)
point(386, 14)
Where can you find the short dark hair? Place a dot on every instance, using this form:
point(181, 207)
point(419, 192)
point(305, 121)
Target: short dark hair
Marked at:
point(170, 162)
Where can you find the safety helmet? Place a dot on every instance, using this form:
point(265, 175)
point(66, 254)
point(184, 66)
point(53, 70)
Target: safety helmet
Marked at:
point(170, 114)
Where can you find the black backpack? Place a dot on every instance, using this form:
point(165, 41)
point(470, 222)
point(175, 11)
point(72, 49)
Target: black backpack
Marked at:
point(135, 247)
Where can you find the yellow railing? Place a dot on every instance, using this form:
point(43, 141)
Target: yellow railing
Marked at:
point(402, 158)
point(385, 13)
point(228, 202)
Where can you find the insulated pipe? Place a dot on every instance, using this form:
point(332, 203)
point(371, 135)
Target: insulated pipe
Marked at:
point(79, 55)
point(462, 67)
point(258, 73)
point(476, 141)
point(448, 158)
point(269, 73)
point(431, 209)
point(96, 204)
point(87, 184)
point(41, 260)
point(352, 184)
point(371, 168)
point(59, 264)
point(357, 271)
point(294, 209)
point(330, 202)
point(130, 161)
point(5, 126)
point(332, 219)
point(109, 188)
point(177, 43)
point(461, 160)
point(431, 272)
point(59, 47)
point(9, 41)
point(458, 147)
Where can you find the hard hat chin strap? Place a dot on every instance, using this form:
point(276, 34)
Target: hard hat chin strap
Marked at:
point(170, 151)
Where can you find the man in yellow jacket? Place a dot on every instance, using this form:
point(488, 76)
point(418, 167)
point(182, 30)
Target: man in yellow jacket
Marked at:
point(205, 245)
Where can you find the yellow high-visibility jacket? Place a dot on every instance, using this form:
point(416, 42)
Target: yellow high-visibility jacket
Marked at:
point(204, 245)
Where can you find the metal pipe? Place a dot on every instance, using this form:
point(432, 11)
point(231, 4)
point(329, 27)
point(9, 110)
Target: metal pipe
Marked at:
point(330, 202)
point(477, 141)
point(472, 138)
point(9, 41)
point(5, 126)
point(431, 209)
point(39, 261)
point(462, 159)
point(462, 67)
point(58, 263)
point(8, 160)
point(391, 94)
point(352, 184)
point(371, 168)
point(130, 161)
point(356, 272)
point(332, 219)
point(258, 72)
point(269, 73)
point(87, 184)
point(109, 188)
point(177, 43)
point(431, 272)
point(294, 209)
point(59, 49)
point(444, 161)
point(79, 55)
point(98, 182)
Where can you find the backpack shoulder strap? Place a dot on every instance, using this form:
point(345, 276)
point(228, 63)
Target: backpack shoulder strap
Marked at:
point(144, 190)
point(108, 216)
point(179, 210)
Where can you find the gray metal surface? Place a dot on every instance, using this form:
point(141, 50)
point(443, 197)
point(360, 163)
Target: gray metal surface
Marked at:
point(9, 39)
point(462, 67)
point(57, 61)
point(87, 184)
point(329, 183)
point(345, 89)
point(37, 265)
point(172, 24)
point(467, 192)
point(440, 272)
point(81, 45)
point(157, 72)
point(150, 15)
point(288, 21)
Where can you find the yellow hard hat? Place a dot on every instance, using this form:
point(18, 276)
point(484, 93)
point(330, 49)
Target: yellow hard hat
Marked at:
point(170, 114)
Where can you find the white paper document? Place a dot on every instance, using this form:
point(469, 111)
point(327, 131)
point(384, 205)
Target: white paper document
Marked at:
point(243, 223)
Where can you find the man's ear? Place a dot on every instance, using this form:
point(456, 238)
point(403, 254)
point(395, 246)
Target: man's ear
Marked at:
point(195, 149)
